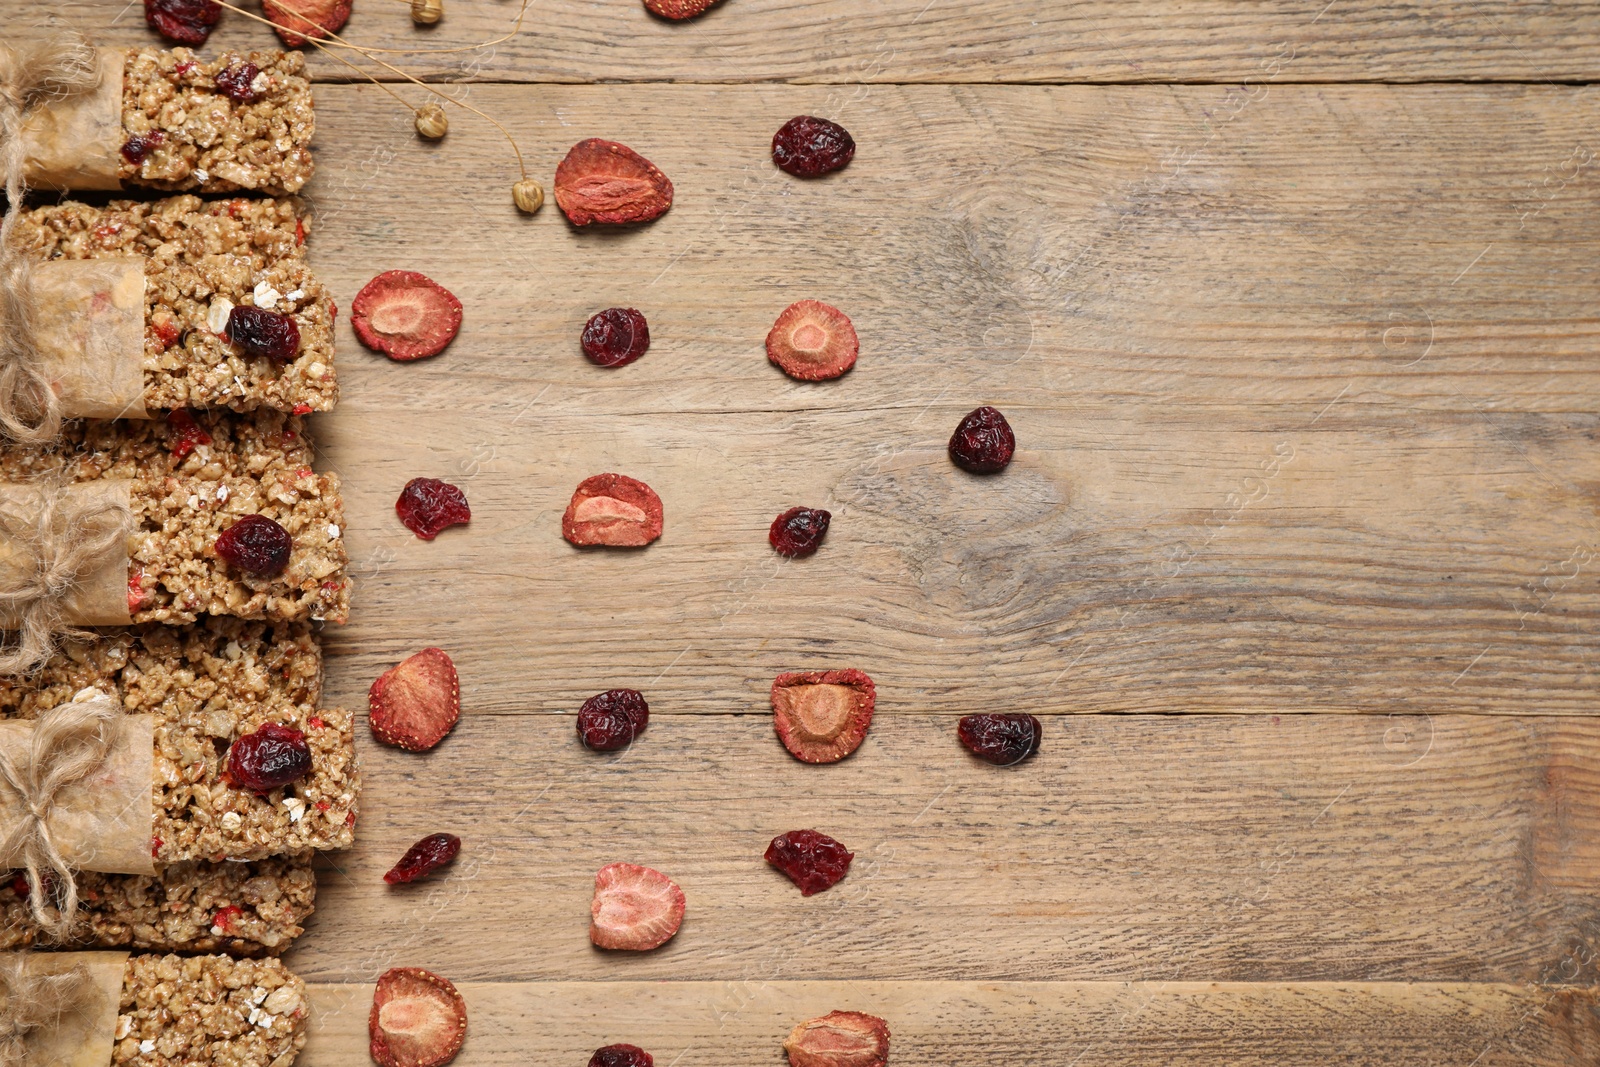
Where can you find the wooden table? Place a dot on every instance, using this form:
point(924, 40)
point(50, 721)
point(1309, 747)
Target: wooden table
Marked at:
point(1293, 308)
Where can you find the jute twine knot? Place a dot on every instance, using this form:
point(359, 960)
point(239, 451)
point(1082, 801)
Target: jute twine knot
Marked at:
point(70, 742)
point(30, 74)
point(30, 1002)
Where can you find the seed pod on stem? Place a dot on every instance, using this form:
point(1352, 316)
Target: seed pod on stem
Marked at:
point(426, 12)
point(529, 195)
point(431, 122)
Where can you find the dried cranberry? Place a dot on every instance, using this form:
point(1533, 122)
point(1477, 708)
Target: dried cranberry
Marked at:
point(235, 82)
point(135, 148)
point(427, 506)
point(256, 545)
point(616, 337)
point(611, 720)
point(224, 917)
point(259, 332)
point(621, 1056)
point(184, 433)
point(809, 147)
point(273, 756)
point(812, 861)
point(183, 21)
point(983, 443)
point(1002, 739)
point(424, 857)
point(798, 531)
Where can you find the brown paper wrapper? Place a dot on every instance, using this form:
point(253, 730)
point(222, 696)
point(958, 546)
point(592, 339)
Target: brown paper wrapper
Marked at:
point(87, 1036)
point(89, 324)
point(77, 143)
point(101, 822)
point(102, 598)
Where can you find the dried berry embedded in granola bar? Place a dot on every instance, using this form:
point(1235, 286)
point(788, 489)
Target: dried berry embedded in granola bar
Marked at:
point(634, 908)
point(678, 10)
point(813, 341)
point(135, 148)
point(268, 759)
point(839, 1039)
point(621, 1056)
point(299, 19)
point(809, 147)
point(813, 861)
point(822, 716)
point(1004, 738)
point(603, 181)
point(415, 703)
point(259, 332)
point(427, 506)
point(256, 545)
point(611, 720)
point(418, 1019)
point(616, 337)
point(182, 21)
point(613, 510)
point(798, 531)
point(236, 82)
point(405, 315)
point(184, 435)
point(423, 858)
point(983, 443)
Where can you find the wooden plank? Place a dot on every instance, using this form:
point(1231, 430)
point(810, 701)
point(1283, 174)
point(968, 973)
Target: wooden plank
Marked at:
point(1306, 399)
point(1083, 1023)
point(1143, 848)
point(845, 41)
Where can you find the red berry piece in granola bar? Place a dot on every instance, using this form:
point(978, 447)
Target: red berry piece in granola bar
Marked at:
point(184, 435)
point(839, 1039)
point(809, 147)
point(263, 333)
point(296, 20)
point(616, 337)
point(612, 510)
point(634, 908)
point(813, 341)
point(417, 702)
point(182, 21)
point(428, 506)
point(822, 716)
point(418, 1019)
point(603, 181)
point(268, 759)
point(813, 861)
point(423, 858)
point(237, 82)
point(256, 545)
point(405, 315)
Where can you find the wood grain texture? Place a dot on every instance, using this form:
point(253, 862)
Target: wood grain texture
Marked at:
point(1013, 1023)
point(850, 42)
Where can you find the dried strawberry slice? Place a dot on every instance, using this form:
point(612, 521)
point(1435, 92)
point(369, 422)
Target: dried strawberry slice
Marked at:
point(822, 716)
point(839, 1039)
point(813, 861)
point(678, 10)
point(603, 181)
point(405, 315)
point(813, 341)
point(616, 337)
point(634, 908)
point(297, 20)
point(983, 442)
point(613, 510)
point(183, 21)
point(415, 703)
point(621, 1056)
point(183, 433)
point(428, 506)
point(809, 147)
point(418, 1019)
point(423, 858)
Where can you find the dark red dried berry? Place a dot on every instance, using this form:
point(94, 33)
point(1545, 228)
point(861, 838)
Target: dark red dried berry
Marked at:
point(259, 332)
point(611, 720)
point(135, 148)
point(268, 759)
point(616, 337)
point(809, 147)
point(427, 506)
point(621, 1056)
point(234, 82)
point(677, 10)
point(184, 434)
point(983, 443)
point(256, 545)
point(182, 21)
point(798, 531)
point(1002, 739)
point(813, 861)
point(424, 857)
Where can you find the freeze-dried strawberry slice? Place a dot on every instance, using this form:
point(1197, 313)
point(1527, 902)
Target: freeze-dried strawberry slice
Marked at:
point(839, 1039)
point(184, 434)
point(415, 703)
point(603, 181)
point(822, 716)
point(813, 341)
point(298, 19)
point(613, 510)
point(634, 908)
point(677, 10)
point(405, 315)
point(418, 1019)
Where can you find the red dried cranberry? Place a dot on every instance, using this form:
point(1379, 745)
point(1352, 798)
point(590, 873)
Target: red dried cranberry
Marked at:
point(235, 82)
point(184, 433)
point(183, 21)
point(611, 720)
point(256, 545)
point(983, 443)
point(798, 531)
point(616, 337)
point(812, 861)
point(135, 148)
point(225, 915)
point(1002, 739)
point(809, 147)
point(424, 857)
point(259, 332)
point(621, 1056)
point(427, 506)
point(268, 759)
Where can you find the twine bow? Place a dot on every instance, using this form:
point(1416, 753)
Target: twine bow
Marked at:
point(30, 73)
point(30, 1002)
point(69, 742)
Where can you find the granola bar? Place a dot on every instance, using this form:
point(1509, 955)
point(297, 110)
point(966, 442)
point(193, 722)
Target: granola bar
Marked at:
point(201, 259)
point(182, 1010)
point(244, 909)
